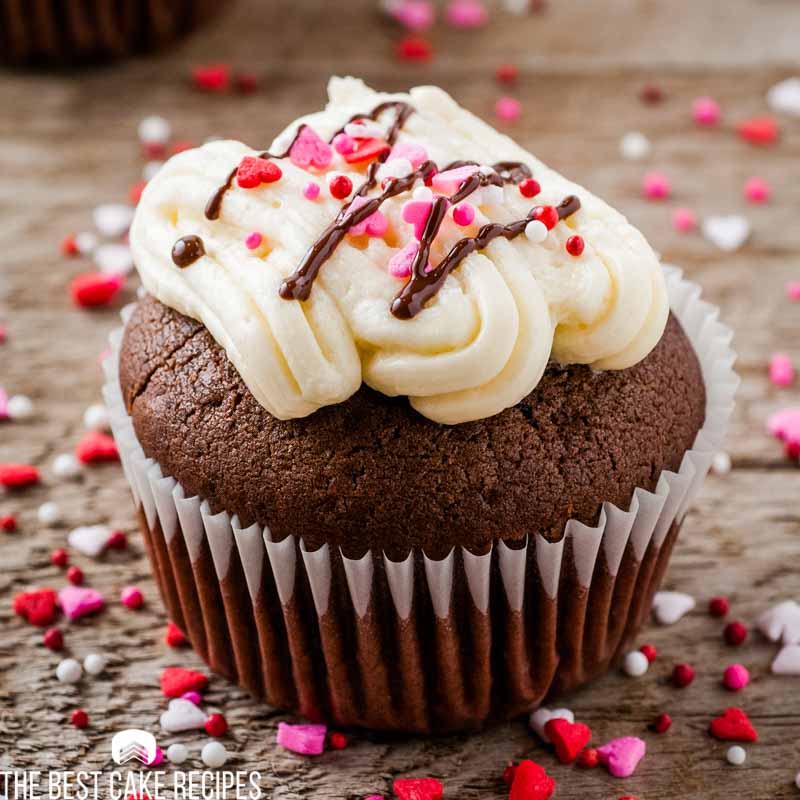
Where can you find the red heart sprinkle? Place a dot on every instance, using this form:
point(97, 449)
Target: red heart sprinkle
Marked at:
point(8, 523)
point(93, 289)
point(176, 681)
point(418, 789)
point(734, 725)
point(96, 447)
point(759, 130)
point(16, 476)
point(531, 782)
point(38, 606)
point(366, 150)
point(414, 48)
point(174, 636)
point(569, 738)
point(254, 171)
point(212, 77)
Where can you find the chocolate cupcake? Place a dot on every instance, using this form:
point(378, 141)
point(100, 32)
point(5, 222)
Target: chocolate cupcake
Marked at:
point(408, 420)
point(78, 31)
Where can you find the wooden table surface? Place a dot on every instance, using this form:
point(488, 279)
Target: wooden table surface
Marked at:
point(67, 143)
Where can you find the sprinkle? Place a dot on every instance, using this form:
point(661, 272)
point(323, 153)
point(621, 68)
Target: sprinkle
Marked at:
point(736, 755)
point(18, 476)
point(3, 404)
point(216, 725)
point(684, 220)
point(635, 664)
point(412, 151)
point(656, 186)
point(211, 77)
point(246, 82)
point(253, 240)
point(682, 676)
point(367, 150)
point(340, 187)
point(114, 259)
point(177, 753)
point(176, 680)
point(531, 782)
point(38, 607)
point(96, 447)
point(538, 719)
point(19, 407)
point(735, 677)
point(66, 465)
point(508, 109)
point(508, 775)
point(416, 213)
point(59, 557)
point(781, 370)
point(651, 94)
point(733, 725)
point(451, 180)
point(529, 187)
point(75, 575)
point(536, 231)
point(154, 150)
point(375, 224)
point(589, 758)
point(135, 192)
point(394, 168)
point(735, 633)
point(91, 540)
point(113, 219)
point(622, 756)
point(181, 146)
point(214, 755)
point(79, 718)
point(94, 663)
point(310, 150)
point(759, 130)
point(253, 171)
point(77, 602)
point(649, 652)
point(93, 289)
point(662, 723)
point(568, 738)
point(174, 636)
point(787, 662)
point(48, 513)
point(721, 463)
point(182, 715)
point(785, 426)
point(784, 97)
point(757, 190)
point(85, 242)
point(96, 418)
point(506, 73)
point(400, 263)
point(575, 245)
point(706, 111)
point(781, 623)
point(311, 191)
point(414, 49)
point(343, 144)
point(192, 697)
point(364, 129)
point(68, 246)
point(304, 739)
point(634, 146)
point(416, 15)
point(338, 741)
point(131, 597)
point(69, 671)
point(669, 607)
point(464, 214)
point(728, 233)
point(547, 215)
point(718, 606)
point(53, 639)
point(8, 523)
point(466, 14)
point(793, 291)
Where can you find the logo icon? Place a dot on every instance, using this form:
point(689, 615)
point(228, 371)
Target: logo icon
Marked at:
point(134, 743)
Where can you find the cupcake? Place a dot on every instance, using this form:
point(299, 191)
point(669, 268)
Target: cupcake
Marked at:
point(411, 421)
point(73, 32)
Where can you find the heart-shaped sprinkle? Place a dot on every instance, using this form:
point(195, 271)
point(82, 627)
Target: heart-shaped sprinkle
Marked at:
point(784, 97)
point(759, 130)
point(416, 15)
point(114, 258)
point(91, 540)
point(253, 171)
point(37, 607)
point(734, 726)
point(568, 738)
point(415, 153)
point(782, 622)
point(113, 219)
point(538, 719)
point(310, 150)
point(308, 740)
point(176, 681)
point(93, 289)
point(728, 233)
point(364, 129)
point(400, 263)
point(18, 476)
point(622, 756)
point(787, 662)
point(416, 213)
point(96, 447)
point(77, 601)
point(182, 715)
point(531, 782)
point(466, 13)
point(374, 225)
point(449, 182)
point(669, 607)
point(366, 150)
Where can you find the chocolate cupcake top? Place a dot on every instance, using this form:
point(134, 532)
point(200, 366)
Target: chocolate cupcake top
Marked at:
point(399, 241)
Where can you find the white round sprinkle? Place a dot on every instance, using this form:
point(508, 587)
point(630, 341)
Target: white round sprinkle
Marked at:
point(113, 219)
point(150, 169)
point(85, 242)
point(536, 231)
point(721, 464)
point(423, 193)
point(736, 755)
point(635, 664)
point(519, 7)
point(66, 466)
point(69, 671)
point(95, 418)
point(20, 407)
point(154, 130)
point(48, 513)
point(634, 146)
point(94, 663)
point(214, 754)
point(114, 259)
point(177, 753)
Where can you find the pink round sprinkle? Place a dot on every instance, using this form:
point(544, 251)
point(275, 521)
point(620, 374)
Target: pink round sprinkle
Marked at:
point(253, 240)
point(735, 677)
point(508, 108)
point(757, 190)
point(192, 697)
point(781, 370)
point(706, 111)
point(656, 186)
point(311, 191)
point(464, 214)
point(793, 290)
point(684, 219)
point(132, 597)
point(343, 144)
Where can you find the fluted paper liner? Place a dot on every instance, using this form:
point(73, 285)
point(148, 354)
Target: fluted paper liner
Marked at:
point(421, 645)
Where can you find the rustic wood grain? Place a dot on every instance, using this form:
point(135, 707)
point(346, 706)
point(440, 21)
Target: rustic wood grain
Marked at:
point(67, 142)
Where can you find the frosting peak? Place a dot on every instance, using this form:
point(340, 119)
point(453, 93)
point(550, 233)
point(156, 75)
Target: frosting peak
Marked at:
point(327, 260)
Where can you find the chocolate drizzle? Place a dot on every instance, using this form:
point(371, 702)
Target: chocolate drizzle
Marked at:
point(187, 250)
point(214, 203)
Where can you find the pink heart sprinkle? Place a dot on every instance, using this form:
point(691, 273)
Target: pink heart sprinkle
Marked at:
point(309, 150)
point(449, 182)
point(400, 263)
point(76, 601)
point(781, 370)
point(785, 424)
point(416, 15)
point(467, 14)
point(412, 151)
point(416, 212)
point(374, 225)
point(308, 740)
point(622, 756)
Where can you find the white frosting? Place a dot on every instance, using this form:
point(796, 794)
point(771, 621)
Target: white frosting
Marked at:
point(478, 347)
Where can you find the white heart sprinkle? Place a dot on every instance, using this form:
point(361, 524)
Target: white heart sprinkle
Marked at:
point(787, 662)
point(539, 718)
point(114, 258)
point(634, 146)
point(784, 97)
point(781, 623)
point(182, 715)
point(91, 540)
point(154, 130)
point(669, 607)
point(113, 219)
point(728, 233)
point(85, 242)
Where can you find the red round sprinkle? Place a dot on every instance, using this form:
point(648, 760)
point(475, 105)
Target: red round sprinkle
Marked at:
point(216, 725)
point(154, 150)
point(589, 758)
point(75, 576)
point(246, 82)
point(338, 741)
point(735, 633)
point(662, 723)
point(682, 676)
point(53, 639)
point(547, 215)
point(575, 245)
point(79, 718)
point(718, 606)
point(117, 540)
point(507, 73)
point(414, 48)
point(212, 77)
point(508, 774)
point(59, 558)
point(651, 94)
point(649, 651)
point(8, 523)
point(529, 188)
point(69, 246)
point(340, 187)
